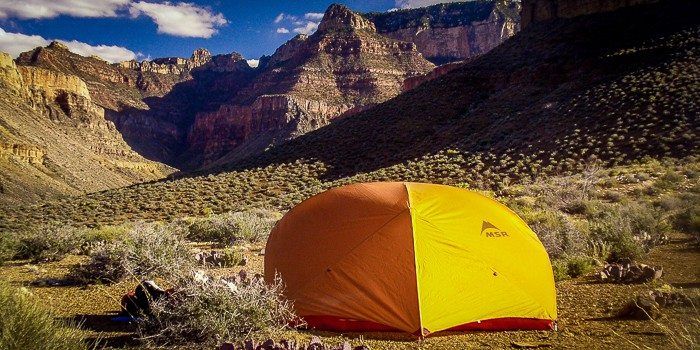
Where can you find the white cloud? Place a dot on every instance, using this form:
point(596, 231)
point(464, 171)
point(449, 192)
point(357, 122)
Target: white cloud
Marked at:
point(306, 25)
point(53, 8)
point(406, 4)
point(314, 16)
point(253, 63)
point(16, 43)
point(109, 53)
point(181, 19)
point(307, 29)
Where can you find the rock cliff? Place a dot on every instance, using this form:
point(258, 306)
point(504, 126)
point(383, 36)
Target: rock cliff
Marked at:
point(534, 11)
point(452, 32)
point(54, 139)
point(121, 85)
point(311, 80)
point(9, 76)
point(188, 112)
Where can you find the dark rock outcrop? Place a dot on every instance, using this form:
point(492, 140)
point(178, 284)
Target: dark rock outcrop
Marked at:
point(534, 11)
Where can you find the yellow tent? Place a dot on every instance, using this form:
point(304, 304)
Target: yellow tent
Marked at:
point(413, 257)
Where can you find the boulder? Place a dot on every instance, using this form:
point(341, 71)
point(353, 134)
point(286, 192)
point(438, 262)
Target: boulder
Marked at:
point(629, 273)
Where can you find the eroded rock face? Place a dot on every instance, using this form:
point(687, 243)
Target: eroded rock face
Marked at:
point(55, 139)
point(452, 32)
point(170, 65)
point(343, 67)
point(53, 82)
point(24, 153)
point(339, 17)
point(9, 76)
point(231, 126)
point(543, 10)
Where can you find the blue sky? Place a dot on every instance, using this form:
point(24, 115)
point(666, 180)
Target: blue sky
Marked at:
point(124, 29)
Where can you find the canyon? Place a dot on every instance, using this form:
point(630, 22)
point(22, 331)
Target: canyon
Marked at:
point(54, 139)
point(193, 112)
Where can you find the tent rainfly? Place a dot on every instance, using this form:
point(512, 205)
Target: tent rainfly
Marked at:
point(412, 257)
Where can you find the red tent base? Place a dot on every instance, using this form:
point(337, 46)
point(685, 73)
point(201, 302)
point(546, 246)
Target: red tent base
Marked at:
point(339, 324)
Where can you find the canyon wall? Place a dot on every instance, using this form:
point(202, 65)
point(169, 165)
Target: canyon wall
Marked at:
point(454, 31)
point(343, 67)
point(189, 112)
point(55, 140)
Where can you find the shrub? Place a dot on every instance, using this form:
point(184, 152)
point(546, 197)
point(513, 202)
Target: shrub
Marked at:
point(578, 266)
point(96, 237)
point(612, 196)
point(558, 233)
point(105, 233)
point(212, 311)
point(630, 230)
point(669, 180)
point(230, 228)
point(583, 207)
point(48, 243)
point(8, 246)
point(560, 270)
point(688, 218)
point(571, 267)
point(145, 251)
point(232, 257)
point(26, 324)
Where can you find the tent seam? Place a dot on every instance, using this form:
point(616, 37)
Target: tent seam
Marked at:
point(415, 259)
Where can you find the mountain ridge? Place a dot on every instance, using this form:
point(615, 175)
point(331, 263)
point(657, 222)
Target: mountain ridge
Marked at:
point(562, 96)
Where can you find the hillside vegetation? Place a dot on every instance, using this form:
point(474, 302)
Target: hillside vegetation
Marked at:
point(547, 102)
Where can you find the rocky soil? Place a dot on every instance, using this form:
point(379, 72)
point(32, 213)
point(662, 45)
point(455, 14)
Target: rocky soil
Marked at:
point(588, 310)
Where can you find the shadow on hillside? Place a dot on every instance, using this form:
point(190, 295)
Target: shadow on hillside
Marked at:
point(100, 323)
point(495, 102)
point(159, 133)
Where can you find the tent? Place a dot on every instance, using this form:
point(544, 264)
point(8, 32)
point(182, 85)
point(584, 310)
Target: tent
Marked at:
point(413, 257)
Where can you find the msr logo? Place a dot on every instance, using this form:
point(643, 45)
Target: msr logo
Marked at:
point(491, 231)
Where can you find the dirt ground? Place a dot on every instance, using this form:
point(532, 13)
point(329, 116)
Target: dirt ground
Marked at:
point(587, 310)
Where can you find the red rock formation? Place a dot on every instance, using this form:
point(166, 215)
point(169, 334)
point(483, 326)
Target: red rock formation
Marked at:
point(343, 67)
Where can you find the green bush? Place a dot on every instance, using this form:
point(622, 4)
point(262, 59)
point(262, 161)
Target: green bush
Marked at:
point(588, 208)
point(8, 246)
point(630, 230)
point(688, 218)
point(105, 233)
point(579, 266)
point(232, 257)
point(26, 324)
point(97, 237)
point(48, 243)
point(558, 233)
point(211, 311)
point(560, 270)
point(669, 180)
point(145, 251)
point(571, 267)
point(233, 227)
